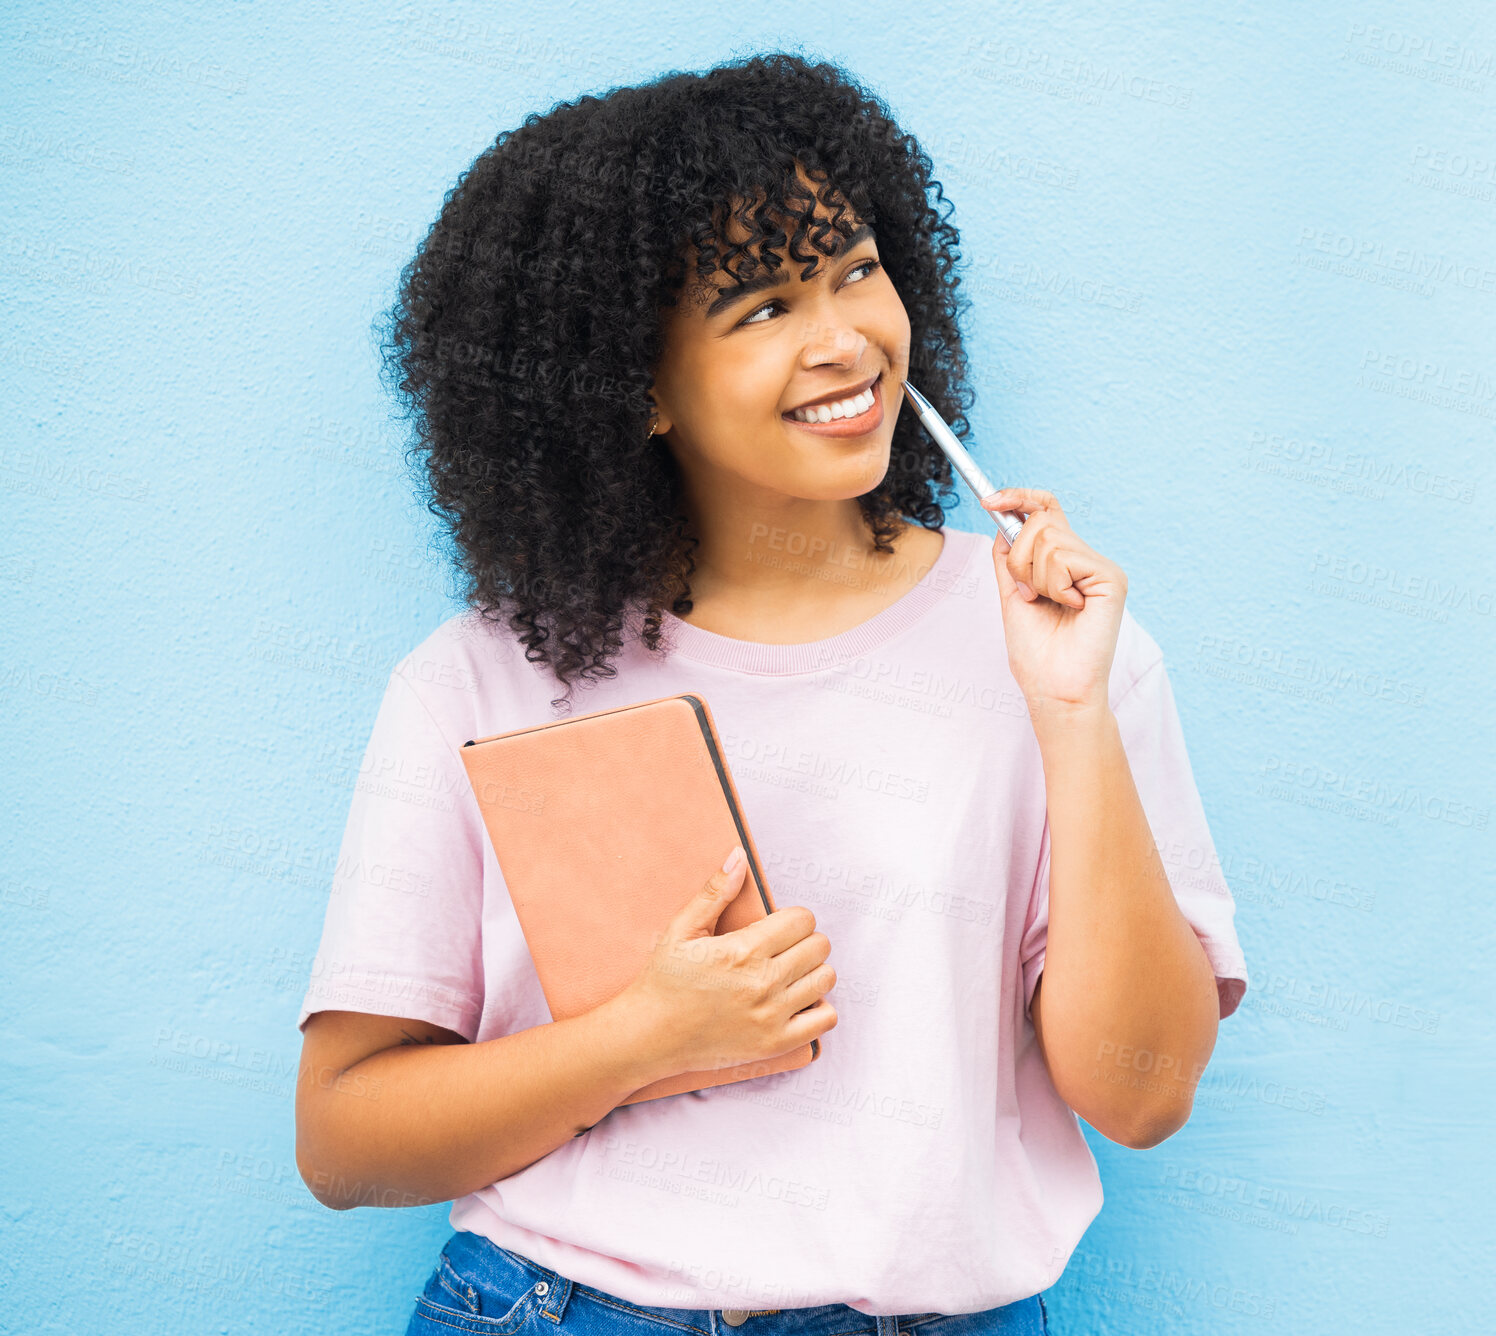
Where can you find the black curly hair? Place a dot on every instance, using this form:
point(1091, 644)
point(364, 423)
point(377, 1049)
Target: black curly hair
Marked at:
point(528, 327)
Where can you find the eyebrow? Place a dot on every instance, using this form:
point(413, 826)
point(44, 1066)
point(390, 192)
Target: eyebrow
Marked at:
point(765, 279)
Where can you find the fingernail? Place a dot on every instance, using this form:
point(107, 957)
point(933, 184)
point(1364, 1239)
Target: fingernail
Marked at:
point(736, 857)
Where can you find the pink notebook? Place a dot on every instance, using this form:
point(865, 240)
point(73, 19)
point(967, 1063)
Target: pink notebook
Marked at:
point(605, 825)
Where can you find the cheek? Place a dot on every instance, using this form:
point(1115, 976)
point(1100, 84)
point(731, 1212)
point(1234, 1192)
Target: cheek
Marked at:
point(735, 409)
point(891, 323)
point(900, 329)
point(746, 389)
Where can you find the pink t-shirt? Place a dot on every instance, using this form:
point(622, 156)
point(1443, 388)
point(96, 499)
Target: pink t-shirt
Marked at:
point(892, 782)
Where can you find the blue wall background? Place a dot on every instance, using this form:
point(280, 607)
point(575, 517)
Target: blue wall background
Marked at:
point(1233, 277)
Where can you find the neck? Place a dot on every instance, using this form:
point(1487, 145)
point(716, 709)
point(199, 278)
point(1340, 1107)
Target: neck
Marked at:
point(781, 552)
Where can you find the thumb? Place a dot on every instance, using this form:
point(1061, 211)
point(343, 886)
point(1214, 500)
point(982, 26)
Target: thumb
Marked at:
point(1007, 586)
point(699, 917)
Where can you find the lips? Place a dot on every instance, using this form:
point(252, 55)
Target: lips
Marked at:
point(853, 426)
point(836, 397)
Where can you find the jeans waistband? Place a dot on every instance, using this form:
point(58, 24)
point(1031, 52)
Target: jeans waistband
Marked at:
point(508, 1271)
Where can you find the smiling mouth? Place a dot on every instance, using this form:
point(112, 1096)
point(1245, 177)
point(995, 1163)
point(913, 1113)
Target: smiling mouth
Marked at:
point(855, 424)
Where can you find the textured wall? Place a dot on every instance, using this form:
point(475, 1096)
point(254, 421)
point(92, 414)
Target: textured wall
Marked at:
point(1233, 278)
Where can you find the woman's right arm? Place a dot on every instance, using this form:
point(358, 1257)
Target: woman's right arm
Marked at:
point(395, 1112)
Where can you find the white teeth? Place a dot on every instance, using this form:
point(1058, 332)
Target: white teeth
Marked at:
point(853, 407)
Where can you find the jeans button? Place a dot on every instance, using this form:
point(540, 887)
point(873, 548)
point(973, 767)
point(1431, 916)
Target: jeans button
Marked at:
point(542, 1289)
point(734, 1317)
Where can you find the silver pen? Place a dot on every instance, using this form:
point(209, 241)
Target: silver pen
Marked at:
point(1008, 522)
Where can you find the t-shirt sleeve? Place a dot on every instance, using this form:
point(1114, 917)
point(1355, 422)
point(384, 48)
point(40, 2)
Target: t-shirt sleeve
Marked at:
point(1148, 722)
point(402, 934)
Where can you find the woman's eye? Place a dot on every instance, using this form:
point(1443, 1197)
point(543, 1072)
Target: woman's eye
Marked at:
point(870, 265)
point(754, 318)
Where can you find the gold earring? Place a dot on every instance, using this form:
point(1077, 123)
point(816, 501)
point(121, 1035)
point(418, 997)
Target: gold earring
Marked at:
point(653, 427)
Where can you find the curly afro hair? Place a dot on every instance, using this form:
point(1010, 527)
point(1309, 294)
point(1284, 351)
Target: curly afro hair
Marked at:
point(529, 323)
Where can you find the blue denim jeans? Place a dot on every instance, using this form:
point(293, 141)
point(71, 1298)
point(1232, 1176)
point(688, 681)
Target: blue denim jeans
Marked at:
point(480, 1287)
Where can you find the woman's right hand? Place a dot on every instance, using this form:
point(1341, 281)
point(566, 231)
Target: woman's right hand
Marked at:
point(745, 996)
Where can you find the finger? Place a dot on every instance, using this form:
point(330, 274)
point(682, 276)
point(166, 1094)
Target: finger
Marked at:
point(805, 955)
point(1055, 566)
point(1020, 560)
point(1060, 560)
point(1023, 501)
point(1003, 545)
point(1043, 550)
point(1062, 582)
point(699, 915)
point(1006, 586)
point(776, 933)
point(809, 1024)
point(1020, 568)
point(809, 988)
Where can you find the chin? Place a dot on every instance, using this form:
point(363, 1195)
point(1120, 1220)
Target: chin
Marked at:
point(857, 479)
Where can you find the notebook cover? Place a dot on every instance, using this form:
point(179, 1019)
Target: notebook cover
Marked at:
point(605, 825)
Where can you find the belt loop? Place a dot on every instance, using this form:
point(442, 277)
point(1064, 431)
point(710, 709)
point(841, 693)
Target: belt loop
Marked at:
point(888, 1326)
point(557, 1292)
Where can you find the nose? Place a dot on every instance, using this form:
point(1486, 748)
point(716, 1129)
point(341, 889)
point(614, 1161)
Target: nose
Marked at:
point(833, 344)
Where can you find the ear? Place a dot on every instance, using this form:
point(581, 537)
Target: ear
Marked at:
point(660, 420)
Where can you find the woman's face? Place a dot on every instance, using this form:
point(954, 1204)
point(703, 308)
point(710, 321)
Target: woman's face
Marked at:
point(737, 364)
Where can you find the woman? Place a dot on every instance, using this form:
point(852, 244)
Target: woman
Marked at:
point(654, 344)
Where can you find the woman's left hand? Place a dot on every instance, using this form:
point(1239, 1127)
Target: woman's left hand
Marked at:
point(1061, 604)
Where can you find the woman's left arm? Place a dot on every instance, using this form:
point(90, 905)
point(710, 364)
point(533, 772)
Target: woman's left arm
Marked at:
point(1129, 1012)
